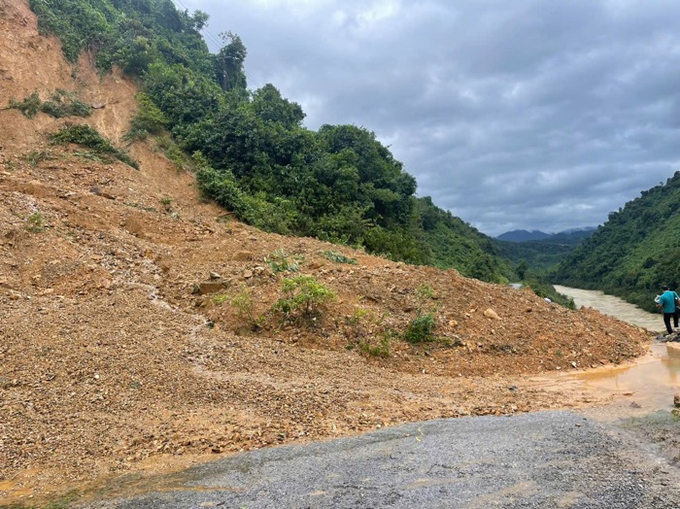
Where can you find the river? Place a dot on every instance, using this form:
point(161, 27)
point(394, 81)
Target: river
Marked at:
point(643, 386)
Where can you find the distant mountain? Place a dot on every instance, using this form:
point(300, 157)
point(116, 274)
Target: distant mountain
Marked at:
point(573, 235)
point(540, 250)
point(523, 236)
point(634, 252)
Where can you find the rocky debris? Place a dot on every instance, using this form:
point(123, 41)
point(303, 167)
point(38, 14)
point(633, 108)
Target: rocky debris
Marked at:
point(136, 341)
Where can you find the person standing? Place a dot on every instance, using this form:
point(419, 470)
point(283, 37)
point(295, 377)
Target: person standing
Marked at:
point(676, 315)
point(667, 305)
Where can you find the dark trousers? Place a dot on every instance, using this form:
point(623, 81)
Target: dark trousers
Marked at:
point(667, 321)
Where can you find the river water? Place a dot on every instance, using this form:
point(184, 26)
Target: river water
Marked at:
point(643, 386)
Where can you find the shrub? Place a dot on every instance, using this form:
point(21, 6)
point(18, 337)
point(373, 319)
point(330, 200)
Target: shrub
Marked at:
point(149, 120)
point(29, 106)
point(420, 329)
point(85, 135)
point(335, 256)
point(65, 104)
point(280, 261)
point(304, 299)
point(382, 349)
point(62, 104)
point(35, 223)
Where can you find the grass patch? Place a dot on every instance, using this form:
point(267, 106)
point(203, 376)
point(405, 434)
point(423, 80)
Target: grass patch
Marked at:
point(35, 223)
point(61, 104)
point(86, 136)
point(338, 257)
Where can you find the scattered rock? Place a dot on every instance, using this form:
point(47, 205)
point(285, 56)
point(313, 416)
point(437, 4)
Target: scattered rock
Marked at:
point(491, 314)
point(242, 256)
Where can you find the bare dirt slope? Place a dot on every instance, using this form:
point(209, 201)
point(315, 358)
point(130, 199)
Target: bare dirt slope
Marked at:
point(120, 352)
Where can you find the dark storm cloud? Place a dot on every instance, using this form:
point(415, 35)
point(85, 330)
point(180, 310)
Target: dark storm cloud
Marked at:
point(525, 114)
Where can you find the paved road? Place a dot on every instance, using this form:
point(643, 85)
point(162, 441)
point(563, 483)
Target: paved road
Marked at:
point(539, 460)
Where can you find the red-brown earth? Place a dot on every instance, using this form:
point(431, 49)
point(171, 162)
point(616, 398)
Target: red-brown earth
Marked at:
point(119, 352)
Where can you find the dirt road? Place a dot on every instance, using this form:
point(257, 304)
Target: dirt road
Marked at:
point(537, 460)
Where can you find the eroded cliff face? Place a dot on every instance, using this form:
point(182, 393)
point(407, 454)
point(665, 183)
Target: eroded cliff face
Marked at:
point(127, 305)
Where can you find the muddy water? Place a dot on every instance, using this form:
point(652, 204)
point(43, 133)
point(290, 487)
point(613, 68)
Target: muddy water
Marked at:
point(641, 387)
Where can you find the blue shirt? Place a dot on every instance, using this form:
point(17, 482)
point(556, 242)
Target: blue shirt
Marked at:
point(667, 301)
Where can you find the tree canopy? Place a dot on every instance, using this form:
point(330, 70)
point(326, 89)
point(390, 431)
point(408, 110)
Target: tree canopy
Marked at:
point(252, 153)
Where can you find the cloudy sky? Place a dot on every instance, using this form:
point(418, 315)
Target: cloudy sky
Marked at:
point(522, 114)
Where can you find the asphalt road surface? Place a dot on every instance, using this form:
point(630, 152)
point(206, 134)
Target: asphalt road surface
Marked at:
point(537, 460)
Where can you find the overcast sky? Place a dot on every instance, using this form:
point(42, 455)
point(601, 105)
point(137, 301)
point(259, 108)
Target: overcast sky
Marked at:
point(522, 114)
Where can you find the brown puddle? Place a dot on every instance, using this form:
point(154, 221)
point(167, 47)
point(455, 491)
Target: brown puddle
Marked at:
point(641, 387)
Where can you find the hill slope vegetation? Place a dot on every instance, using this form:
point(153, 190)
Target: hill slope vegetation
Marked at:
point(254, 156)
point(634, 252)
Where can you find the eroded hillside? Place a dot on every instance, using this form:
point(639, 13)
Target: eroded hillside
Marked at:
point(137, 333)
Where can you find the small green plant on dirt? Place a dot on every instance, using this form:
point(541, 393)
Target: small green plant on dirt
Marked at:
point(220, 299)
point(244, 308)
point(149, 120)
point(86, 136)
point(304, 299)
point(338, 257)
point(357, 316)
point(280, 261)
point(35, 223)
point(29, 106)
point(420, 329)
point(61, 104)
point(382, 349)
point(36, 156)
point(65, 104)
point(424, 293)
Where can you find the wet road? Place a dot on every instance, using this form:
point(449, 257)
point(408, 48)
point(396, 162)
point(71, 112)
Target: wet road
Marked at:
point(539, 460)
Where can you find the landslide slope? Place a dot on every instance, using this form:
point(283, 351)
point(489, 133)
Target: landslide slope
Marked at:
point(127, 341)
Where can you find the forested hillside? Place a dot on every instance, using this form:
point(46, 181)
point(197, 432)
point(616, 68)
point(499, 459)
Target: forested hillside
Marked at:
point(539, 255)
point(635, 251)
point(249, 148)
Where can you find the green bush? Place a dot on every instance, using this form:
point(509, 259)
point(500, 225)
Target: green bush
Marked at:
point(420, 329)
point(61, 104)
point(29, 106)
point(280, 261)
point(35, 223)
point(304, 299)
point(335, 256)
point(85, 135)
point(382, 349)
point(149, 119)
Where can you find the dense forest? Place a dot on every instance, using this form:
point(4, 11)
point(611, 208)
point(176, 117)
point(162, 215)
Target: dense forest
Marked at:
point(634, 252)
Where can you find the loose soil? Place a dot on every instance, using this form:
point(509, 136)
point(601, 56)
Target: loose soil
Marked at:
point(137, 334)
